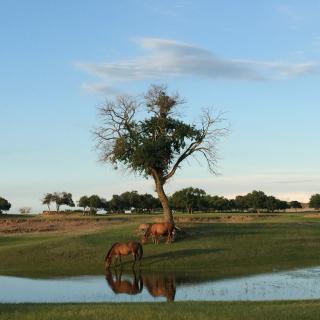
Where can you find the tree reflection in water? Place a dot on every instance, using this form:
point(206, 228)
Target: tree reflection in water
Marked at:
point(157, 284)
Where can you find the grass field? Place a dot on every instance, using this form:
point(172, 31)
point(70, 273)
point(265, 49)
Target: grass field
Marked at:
point(212, 250)
point(207, 251)
point(178, 310)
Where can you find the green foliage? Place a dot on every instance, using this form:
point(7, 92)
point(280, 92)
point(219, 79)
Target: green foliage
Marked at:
point(60, 198)
point(189, 199)
point(153, 143)
point(217, 203)
point(94, 202)
point(156, 145)
point(257, 200)
point(315, 201)
point(132, 200)
point(84, 202)
point(295, 205)
point(196, 199)
point(25, 210)
point(47, 199)
point(5, 205)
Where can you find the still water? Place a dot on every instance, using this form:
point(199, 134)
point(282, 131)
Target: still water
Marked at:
point(139, 287)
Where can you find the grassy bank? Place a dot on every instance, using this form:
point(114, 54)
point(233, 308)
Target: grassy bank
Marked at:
point(210, 250)
point(182, 310)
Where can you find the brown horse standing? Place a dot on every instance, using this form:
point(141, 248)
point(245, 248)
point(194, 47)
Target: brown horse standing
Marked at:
point(124, 249)
point(156, 230)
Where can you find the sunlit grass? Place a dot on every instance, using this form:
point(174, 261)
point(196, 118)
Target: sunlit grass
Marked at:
point(179, 310)
point(208, 250)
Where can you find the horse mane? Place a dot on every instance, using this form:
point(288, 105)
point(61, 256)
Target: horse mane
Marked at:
point(109, 252)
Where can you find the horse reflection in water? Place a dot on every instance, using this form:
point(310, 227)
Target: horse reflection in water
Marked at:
point(158, 285)
point(119, 285)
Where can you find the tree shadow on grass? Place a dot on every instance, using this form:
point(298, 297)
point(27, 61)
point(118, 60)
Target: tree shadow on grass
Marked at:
point(217, 230)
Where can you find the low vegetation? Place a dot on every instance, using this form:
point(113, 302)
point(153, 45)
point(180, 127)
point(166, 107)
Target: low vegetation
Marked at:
point(294, 310)
point(209, 250)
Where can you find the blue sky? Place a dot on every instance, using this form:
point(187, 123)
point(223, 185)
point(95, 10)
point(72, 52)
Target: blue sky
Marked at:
point(257, 61)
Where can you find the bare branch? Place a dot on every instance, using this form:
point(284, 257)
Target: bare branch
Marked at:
point(116, 121)
point(206, 143)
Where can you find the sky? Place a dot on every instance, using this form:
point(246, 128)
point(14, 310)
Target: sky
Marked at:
point(256, 61)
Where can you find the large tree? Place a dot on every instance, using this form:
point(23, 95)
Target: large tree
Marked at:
point(154, 146)
point(188, 198)
point(5, 205)
point(47, 199)
point(257, 200)
point(62, 198)
point(315, 201)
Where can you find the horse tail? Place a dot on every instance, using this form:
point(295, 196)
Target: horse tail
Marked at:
point(139, 251)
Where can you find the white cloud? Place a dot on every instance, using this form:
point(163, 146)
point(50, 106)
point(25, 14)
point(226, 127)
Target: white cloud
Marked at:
point(169, 58)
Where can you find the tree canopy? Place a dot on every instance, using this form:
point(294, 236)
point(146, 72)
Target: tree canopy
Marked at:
point(59, 198)
point(157, 145)
point(5, 205)
point(188, 198)
point(315, 201)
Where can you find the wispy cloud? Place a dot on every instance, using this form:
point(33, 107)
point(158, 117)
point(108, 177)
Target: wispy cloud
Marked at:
point(168, 58)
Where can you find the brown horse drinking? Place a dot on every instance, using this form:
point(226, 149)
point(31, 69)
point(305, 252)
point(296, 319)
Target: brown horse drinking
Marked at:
point(124, 249)
point(156, 230)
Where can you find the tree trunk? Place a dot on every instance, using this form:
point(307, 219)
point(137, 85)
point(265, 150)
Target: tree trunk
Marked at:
point(163, 199)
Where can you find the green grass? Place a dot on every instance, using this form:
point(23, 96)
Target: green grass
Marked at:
point(208, 250)
point(182, 310)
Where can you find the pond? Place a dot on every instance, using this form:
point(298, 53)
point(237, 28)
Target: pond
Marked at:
point(153, 287)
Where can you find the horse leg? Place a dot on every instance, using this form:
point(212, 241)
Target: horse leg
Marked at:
point(134, 261)
point(120, 261)
point(169, 240)
point(115, 260)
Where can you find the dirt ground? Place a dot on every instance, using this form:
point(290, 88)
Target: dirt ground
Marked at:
point(44, 224)
point(312, 215)
point(222, 219)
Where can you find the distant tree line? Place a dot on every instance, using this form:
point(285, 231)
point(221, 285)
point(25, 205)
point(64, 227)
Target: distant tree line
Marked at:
point(185, 200)
point(127, 201)
point(194, 199)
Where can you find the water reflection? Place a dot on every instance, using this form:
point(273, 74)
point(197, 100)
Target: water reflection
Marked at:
point(158, 285)
point(120, 285)
point(137, 286)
